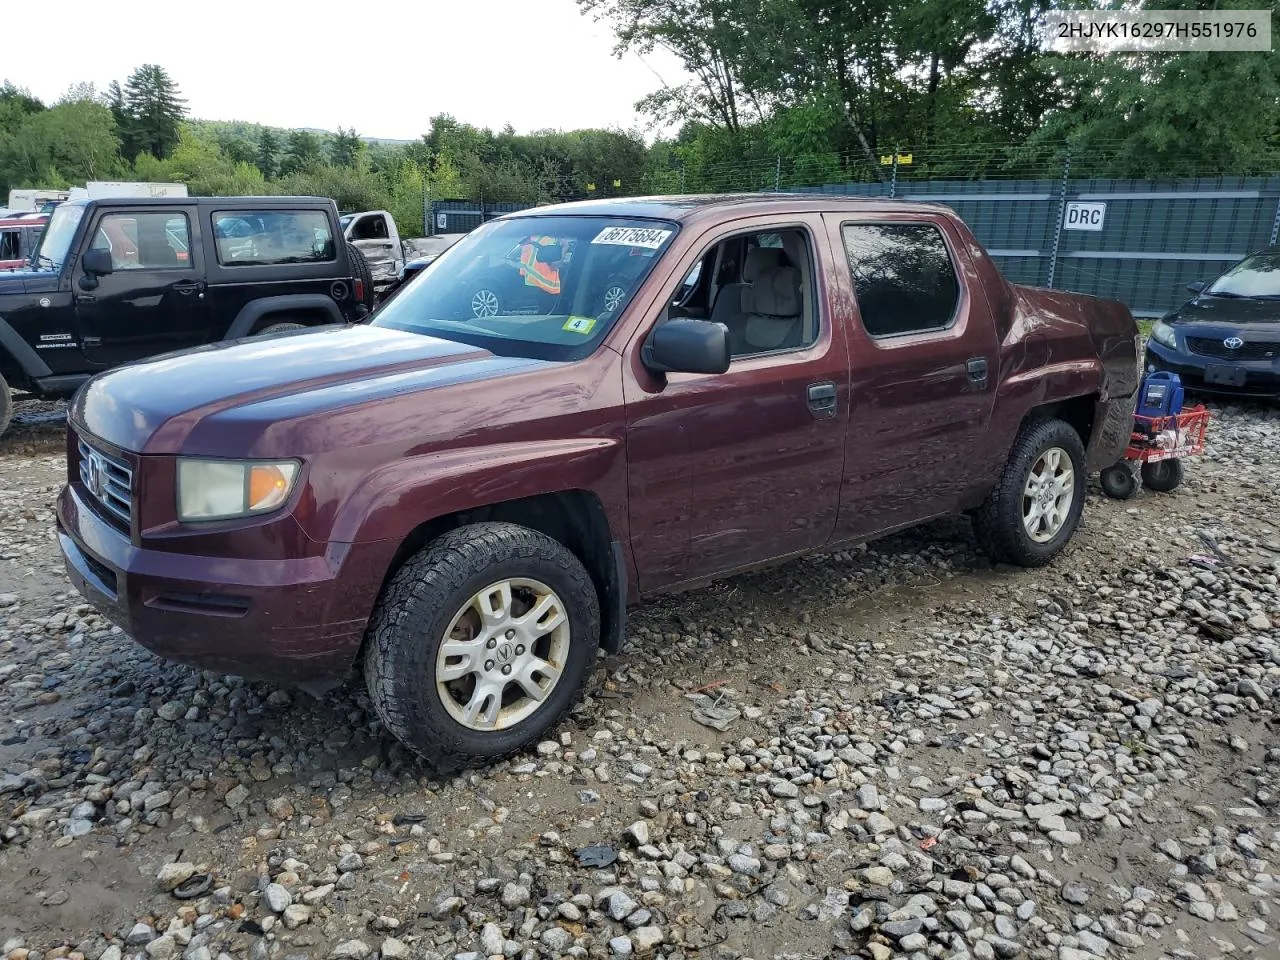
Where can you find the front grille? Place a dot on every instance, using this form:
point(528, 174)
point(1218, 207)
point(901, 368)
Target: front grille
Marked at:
point(1249, 350)
point(109, 481)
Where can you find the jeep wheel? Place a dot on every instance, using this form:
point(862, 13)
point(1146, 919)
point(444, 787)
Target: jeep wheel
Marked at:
point(284, 325)
point(481, 644)
point(1035, 508)
point(360, 271)
point(6, 405)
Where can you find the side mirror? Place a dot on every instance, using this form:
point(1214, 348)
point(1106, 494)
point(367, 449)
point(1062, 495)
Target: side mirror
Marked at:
point(97, 262)
point(687, 345)
point(1197, 286)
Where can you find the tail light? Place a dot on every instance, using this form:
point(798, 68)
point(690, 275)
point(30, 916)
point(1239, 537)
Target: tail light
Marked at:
point(357, 285)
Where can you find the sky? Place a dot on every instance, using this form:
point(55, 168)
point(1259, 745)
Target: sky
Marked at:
point(384, 68)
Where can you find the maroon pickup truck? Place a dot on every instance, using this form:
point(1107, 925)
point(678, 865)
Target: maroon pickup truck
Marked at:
point(461, 497)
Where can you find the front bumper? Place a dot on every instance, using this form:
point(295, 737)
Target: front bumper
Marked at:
point(285, 620)
point(1261, 377)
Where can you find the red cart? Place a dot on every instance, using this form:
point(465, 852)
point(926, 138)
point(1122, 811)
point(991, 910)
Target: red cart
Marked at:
point(1157, 446)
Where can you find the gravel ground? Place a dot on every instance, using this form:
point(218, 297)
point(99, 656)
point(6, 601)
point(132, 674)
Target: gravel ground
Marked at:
point(921, 756)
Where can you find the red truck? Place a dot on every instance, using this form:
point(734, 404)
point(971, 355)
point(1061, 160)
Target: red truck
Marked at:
point(463, 507)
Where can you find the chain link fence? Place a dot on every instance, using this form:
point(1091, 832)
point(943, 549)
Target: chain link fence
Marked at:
point(1048, 218)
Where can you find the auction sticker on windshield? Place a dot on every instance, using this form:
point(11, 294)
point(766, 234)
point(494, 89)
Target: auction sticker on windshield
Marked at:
point(649, 237)
point(583, 325)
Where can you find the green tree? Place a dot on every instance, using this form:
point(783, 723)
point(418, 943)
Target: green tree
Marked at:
point(155, 108)
point(345, 148)
point(302, 150)
point(268, 153)
point(68, 143)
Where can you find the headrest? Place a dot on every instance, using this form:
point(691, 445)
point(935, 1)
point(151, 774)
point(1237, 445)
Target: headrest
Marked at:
point(775, 293)
point(760, 259)
point(793, 244)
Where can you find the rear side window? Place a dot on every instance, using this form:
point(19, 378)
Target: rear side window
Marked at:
point(10, 248)
point(255, 237)
point(903, 277)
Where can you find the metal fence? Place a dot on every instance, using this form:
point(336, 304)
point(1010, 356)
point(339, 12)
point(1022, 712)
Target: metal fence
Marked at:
point(1137, 241)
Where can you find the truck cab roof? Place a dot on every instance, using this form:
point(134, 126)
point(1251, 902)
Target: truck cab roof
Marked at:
point(688, 208)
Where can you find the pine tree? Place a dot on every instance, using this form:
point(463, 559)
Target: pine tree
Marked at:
point(155, 108)
point(268, 149)
point(345, 148)
point(126, 129)
point(302, 151)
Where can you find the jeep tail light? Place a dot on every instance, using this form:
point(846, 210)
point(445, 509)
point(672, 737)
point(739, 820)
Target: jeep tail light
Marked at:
point(357, 286)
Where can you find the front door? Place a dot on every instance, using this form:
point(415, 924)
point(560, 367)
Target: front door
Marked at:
point(924, 357)
point(153, 300)
point(729, 470)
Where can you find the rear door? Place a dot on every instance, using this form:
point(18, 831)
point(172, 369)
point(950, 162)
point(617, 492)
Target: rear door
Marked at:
point(373, 236)
point(923, 354)
point(153, 300)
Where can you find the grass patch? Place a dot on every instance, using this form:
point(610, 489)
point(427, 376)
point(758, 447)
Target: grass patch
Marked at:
point(1144, 327)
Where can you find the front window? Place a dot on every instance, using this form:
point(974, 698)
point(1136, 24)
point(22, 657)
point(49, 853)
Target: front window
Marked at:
point(56, 240)
point(546, 287)
point(1257, 276)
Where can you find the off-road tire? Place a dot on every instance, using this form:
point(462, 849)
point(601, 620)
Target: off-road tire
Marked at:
point(360, 271)
point(281, 326)
point(997, 524)
point(6, 406)
point(1162, 476)
point(1118, 481)
point(419, 603)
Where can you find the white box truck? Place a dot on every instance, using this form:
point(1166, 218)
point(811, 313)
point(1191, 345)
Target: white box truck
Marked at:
point(116, 189)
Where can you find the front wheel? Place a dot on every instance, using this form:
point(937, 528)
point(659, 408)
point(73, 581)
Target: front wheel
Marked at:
point(1162, 476)
point(482, 644)
point(6, 406)
point(1035, 508)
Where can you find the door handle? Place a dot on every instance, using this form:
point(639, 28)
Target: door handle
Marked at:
point(977, 370)
point(187, 287)
point(822, 399)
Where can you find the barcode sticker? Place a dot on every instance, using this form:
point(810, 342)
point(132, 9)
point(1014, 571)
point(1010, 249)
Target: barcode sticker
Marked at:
point(651, 238)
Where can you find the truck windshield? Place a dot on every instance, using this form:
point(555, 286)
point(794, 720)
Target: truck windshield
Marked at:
point(546, 287)
point(1257, 277)
point(56, 239)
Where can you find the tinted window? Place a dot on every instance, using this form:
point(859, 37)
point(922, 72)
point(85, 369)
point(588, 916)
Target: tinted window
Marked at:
point(902, 276)
point(255, 237)
point(10, 248)
point(144, 241)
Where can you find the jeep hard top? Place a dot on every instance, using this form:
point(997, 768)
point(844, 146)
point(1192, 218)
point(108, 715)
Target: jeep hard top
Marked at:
point(112, 281)
point(463, 504)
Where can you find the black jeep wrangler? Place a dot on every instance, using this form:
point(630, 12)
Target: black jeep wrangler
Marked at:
point(113, 281)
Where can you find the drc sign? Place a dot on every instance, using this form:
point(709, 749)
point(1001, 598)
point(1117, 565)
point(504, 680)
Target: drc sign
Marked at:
point(1084, 216)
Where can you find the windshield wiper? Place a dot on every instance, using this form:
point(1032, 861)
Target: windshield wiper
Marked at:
point(41, 258)
point(1225, 294)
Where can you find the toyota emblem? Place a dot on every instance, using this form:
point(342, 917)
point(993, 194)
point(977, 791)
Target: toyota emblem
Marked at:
point(1233, 343)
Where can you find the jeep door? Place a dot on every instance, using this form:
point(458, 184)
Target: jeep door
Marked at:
point(729, 470)
point(153, 300)
point(924, 357)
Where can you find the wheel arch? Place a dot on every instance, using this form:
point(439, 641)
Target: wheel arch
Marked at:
point(253, 313)
point(575, 518)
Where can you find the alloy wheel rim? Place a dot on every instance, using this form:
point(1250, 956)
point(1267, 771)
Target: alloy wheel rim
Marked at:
point(503, 654)
point(612, 297)
point(484, 303)
point(1048, 495)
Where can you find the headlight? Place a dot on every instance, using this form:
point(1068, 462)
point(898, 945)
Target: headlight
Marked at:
point(1163, 334)
point(222, 489)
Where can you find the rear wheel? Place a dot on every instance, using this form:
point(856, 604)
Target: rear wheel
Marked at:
point(1162, 476)
point(481, 644)
point(6, 405)
point(360, 271)
point(284, 325)
point(1035, 508)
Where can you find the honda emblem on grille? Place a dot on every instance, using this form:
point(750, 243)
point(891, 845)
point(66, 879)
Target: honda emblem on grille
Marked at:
point(93, 475)
point(1233, 343)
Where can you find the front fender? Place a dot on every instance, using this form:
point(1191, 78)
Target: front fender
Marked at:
point(393, 501)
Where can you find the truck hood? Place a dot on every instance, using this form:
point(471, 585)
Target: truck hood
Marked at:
point(27, 281)
point(233, 391)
